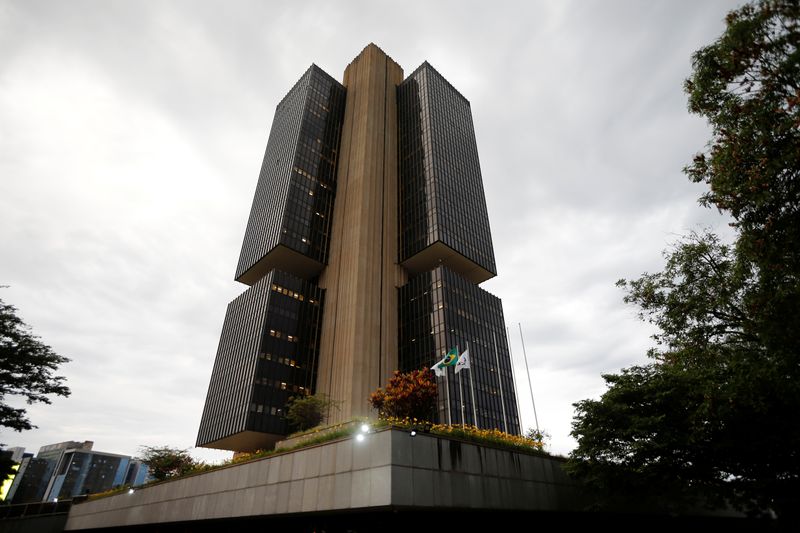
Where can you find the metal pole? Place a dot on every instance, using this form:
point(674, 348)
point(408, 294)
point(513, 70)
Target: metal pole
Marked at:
point(525, 354)
point(439, 393)
point(447, 395)
point(472, 389)
point(500, 381)
point(460, 390)
point(461, 394)
point(514, 377)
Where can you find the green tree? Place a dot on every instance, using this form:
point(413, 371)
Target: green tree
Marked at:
point(306, 412)
point(407, 395)
point(27, 371)
point(165, 462)
point(27, 368)
point(713, 414)
point(747, 85)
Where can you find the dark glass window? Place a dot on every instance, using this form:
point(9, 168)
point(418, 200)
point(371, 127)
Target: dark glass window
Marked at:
point(267, 353)
point(441, 188)
point(293, 202)
point(439, 311)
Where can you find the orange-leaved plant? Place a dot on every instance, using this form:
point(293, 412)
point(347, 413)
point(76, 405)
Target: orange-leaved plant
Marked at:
point(407, 395)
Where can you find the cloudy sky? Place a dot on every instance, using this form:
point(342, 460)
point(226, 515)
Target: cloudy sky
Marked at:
point(132, 132)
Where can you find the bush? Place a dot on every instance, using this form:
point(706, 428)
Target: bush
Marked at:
point(165, 462)
point(538, 435)
point(306, 412)
point(408, 395)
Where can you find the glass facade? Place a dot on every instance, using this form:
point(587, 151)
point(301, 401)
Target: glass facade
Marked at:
point(68, 469)
point(293, 202)
point(441, 190)
point(267, 353)
point(137, 473)
point(269, 345)
point(439, 311)
point(87, 473)
point(31, 483)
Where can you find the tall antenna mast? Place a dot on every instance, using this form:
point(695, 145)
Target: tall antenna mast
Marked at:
point(530, 384)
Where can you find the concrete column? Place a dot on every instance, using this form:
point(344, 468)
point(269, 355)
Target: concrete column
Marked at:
point(358, 348)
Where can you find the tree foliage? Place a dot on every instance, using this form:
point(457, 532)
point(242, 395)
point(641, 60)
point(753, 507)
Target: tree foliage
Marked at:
point(541, 436)
point(747, 84)
point(165, 462)
point(407, 395)
point(306, 412)
point(714, 412)
point(27, 369)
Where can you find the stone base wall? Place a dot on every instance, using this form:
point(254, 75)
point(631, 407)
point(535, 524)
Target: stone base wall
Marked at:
point(388, 469)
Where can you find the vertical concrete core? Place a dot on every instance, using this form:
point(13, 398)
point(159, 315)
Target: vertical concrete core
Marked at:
point(358, 349)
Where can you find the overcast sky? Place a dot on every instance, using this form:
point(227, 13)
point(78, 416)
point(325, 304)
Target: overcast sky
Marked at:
point(131, 136)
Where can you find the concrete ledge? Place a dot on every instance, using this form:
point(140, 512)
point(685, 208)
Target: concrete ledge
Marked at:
point(294, 441)
point(388, 469)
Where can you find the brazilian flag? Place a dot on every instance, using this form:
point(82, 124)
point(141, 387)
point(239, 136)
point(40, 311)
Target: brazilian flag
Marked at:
point(451, 359)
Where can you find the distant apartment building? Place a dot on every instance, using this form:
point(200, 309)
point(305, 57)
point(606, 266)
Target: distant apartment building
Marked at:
point(15, 455)
point(68, 469)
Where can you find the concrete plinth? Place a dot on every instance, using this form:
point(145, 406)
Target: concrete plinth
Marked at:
point(389, 469)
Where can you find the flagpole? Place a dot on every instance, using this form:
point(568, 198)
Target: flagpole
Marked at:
point(472, 389)
point(460, 390)
point(461, 394)
point(527, 368)
point(439, 391)
point(500, 381)
point(447, 395)
point(514, 378)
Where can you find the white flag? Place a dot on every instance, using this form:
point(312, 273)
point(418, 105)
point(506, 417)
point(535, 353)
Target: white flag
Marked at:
point(463, 361)
point(438, 368)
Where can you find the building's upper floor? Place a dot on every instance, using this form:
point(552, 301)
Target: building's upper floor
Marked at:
point(441, 203)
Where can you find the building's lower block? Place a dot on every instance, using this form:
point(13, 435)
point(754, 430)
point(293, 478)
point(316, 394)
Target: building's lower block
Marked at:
point(439, 311)
point(267, 353)
point(388, 471)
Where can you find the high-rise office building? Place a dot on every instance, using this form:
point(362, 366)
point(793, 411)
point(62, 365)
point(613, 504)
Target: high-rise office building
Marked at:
point(366, 242)
point(68, 469)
